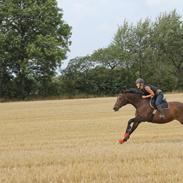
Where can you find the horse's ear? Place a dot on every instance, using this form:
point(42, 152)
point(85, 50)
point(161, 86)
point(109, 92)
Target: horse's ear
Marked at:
point(123, 89)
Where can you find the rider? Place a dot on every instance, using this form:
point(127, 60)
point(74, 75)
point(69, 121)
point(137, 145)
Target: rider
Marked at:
point(151, 92)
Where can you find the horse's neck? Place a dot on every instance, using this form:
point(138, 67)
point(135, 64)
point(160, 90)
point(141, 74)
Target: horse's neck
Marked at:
point(135, 100)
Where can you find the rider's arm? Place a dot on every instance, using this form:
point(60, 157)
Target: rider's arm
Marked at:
point(151, 93)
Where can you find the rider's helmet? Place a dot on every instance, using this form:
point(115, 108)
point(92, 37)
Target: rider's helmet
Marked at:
point(140, 80)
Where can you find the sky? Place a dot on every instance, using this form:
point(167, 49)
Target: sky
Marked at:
point(95, 22)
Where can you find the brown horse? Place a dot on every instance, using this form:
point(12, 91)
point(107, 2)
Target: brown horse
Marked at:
point(144, 112)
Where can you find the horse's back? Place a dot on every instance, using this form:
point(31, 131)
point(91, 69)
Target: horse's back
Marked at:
point(174, 111)
point(175, 107)
point(175, 104)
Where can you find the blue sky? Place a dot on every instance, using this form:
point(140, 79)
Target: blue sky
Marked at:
point(94, 22)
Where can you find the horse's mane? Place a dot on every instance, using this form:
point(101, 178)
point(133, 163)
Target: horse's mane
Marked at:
point(134, 91)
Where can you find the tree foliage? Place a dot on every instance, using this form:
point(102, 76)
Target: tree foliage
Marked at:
point(34, 39)
point(149, 49)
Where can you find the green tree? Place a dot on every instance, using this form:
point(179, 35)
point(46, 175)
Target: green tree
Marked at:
point(168, 45)
point(34, 39)
point(109, 57)
point(123, 43)
point(152, 50)
point(141, 47)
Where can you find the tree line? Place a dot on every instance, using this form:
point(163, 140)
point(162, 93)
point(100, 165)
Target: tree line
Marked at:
point(149, 49)
point(34, 41)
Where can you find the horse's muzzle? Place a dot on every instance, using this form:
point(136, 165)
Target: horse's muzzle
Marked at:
point(115, 109)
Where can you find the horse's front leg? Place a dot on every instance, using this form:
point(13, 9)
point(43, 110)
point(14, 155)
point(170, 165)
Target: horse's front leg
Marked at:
point(132, 125)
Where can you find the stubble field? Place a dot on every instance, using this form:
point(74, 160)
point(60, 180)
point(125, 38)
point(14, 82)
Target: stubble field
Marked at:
point(75, 141)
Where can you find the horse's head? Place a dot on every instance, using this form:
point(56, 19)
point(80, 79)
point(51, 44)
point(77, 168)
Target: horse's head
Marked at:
point(120, 102)
point(130, 96)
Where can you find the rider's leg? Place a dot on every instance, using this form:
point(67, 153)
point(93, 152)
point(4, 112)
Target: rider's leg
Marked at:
point(159, 100)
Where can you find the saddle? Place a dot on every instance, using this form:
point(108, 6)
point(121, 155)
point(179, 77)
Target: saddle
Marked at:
point(164, 103)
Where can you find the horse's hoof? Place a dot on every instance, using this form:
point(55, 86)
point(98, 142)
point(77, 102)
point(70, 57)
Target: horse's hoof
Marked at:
point(121, 141)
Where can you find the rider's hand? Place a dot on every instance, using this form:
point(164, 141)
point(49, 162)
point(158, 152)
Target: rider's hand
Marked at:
point(143, 96)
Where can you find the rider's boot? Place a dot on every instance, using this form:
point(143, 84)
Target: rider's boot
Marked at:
point(160, 109)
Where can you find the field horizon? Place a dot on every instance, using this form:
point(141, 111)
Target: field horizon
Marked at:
point(76, 141)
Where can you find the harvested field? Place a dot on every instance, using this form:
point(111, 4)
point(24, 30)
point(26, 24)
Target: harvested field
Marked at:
point(75, 141)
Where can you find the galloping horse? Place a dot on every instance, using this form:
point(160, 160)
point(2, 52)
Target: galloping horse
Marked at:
point(144, 112)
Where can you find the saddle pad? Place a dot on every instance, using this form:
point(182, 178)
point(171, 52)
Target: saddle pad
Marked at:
point(164, 104)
